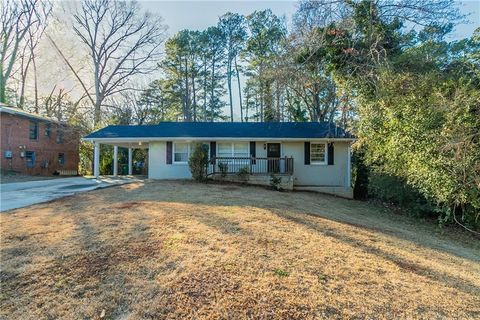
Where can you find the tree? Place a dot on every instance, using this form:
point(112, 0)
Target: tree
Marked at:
point(233, 27)
point(29, 54)
point(17, 17)
point(122, 42)
point(267, 31)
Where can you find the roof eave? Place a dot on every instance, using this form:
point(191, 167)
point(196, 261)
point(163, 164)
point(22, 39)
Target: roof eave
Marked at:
point(154, 139)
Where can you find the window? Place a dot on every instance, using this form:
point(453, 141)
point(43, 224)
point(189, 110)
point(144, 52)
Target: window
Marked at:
point(240, 149)
point(180, 152)
point(224, 149)
point(236, 149)
point(318, 152)
point(30, 158)
point(61, 159)
point(59, 136)
point(48, 129)
point(33, 130)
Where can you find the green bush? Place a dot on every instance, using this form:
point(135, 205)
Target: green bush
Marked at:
point(223, 167)
point(275, 182)
point(396, 191)
point(198, 162)
point(243, 172)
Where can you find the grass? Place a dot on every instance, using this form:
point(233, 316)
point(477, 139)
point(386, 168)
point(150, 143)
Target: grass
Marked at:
point(180, 250)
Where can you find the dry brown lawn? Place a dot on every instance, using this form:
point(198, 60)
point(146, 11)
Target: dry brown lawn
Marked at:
point(179, 250)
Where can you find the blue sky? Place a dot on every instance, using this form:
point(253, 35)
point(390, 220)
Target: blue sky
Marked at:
point(198, 15)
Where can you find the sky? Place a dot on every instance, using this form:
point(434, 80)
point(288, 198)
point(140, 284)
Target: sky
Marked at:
point(198, 15)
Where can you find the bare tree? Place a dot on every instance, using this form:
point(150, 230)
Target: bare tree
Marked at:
point(16, 19)
point(28, 56)
point(122, 42)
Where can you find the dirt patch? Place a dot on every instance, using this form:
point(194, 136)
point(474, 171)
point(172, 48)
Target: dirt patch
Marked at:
point(181, 250)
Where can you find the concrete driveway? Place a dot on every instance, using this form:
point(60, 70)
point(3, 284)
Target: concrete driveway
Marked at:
point(22, 194)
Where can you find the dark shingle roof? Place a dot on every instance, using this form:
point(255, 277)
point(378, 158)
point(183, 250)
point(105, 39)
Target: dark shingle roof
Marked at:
point(224, 130)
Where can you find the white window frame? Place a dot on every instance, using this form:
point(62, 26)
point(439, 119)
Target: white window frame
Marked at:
point(189, 151)
point(317, 162)
point(173, 152)
point(232, 148)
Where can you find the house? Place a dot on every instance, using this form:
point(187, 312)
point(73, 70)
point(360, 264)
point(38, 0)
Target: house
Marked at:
point(304, 155)
point(35, 145)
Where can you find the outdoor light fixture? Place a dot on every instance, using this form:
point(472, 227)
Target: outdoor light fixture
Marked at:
point(139, 143)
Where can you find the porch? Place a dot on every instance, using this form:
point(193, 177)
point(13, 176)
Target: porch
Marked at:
point(252, 170)
point(250, 166)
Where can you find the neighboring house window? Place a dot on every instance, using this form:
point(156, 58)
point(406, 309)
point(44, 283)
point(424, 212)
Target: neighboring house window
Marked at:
point(48, 129)
point(61, 159)
point(318, 153)
point(30, 158)
point(33, 130)
point(180, 152)
point(59, 136)
point(235, 149)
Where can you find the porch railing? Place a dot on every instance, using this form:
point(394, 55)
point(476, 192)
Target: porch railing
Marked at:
point(250, 165)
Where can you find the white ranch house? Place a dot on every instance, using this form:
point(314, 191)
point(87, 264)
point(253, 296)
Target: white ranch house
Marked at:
point(305, 155)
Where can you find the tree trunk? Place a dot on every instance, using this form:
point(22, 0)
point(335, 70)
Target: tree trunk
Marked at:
point(212, 92)
point(35, 84)
point(187, 116)
point(205, 80)
point(194, 98)
point(239, 89)
point(229, 83)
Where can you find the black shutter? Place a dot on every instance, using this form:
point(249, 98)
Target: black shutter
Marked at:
point(307, 152)
point(169, 152)
point(253, 151)
point(213, 150)
point(330, 153)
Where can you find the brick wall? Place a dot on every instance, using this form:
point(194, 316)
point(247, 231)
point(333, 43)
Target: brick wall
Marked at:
point(15, 137)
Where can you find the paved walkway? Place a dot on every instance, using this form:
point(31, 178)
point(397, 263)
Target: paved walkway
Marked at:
point(22, 194)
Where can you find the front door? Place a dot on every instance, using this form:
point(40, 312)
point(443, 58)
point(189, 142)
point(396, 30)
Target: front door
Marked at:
point(273, 155)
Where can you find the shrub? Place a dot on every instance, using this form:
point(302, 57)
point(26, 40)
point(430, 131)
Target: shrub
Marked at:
point(198, 162)
point(243, 172)
point(223, 167)
point(275, 182)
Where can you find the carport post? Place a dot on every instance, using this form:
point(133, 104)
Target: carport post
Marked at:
point(115, 161)
point(129, 161)
point(96, 159)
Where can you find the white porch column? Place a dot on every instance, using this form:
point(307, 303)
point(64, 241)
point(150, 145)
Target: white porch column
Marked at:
point(96, 159)
point(349, 167)
point(115, 161)
point(130, 161)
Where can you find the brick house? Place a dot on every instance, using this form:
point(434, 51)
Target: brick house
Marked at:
point(35, 145)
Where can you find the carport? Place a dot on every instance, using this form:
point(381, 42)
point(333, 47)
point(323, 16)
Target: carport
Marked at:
point(130, 144)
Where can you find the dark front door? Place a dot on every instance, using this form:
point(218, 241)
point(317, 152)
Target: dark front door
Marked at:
point(273, 155)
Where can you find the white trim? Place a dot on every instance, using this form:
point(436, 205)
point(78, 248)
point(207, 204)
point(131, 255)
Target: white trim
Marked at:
point(173, 153)
point(96, 159)
point(157, 139)
point(319, 163)
point(232, 148)
point(349, 167)
point(115, 161)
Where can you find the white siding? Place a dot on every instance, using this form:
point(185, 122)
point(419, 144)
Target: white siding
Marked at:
point(319, 175)
point(158, 167)
point(311, 175)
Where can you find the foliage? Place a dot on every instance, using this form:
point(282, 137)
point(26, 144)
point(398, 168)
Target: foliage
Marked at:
point(396, 191)
point(223, 167)
point(198, 162)
point(275, 182)
point(281, 272)
point(360, 174)
point(243, 172)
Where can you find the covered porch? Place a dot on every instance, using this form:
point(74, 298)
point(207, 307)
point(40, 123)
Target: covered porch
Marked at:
point(131, 146)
